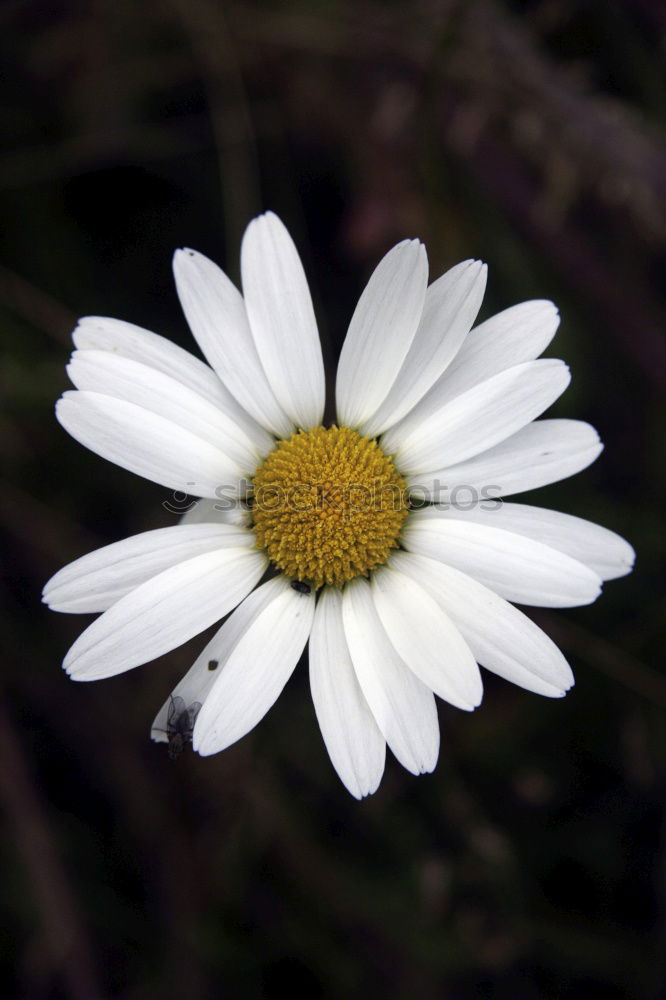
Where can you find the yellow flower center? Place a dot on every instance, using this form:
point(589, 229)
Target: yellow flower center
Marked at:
point(328, 506)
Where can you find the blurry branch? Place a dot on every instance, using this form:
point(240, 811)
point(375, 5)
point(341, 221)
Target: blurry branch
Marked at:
point(606, 657)
point(549, 113)
point(214, 50)
point(36, 306)
point(370, 31)
point(621, 300)
point(388, 944)
point(497, 65)
point(473, 51)
point(162, 830)
point(533, 138)
point(158, 829)
point(63, 932)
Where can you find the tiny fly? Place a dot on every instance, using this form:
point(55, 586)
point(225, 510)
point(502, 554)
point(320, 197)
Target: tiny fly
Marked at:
point(180, 723)
point(302, 588)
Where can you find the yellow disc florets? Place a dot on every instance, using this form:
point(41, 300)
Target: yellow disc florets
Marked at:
point(328, 506)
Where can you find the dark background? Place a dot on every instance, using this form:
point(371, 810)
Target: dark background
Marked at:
point(529, 865)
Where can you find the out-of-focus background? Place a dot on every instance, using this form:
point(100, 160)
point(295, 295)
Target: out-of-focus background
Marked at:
point(529, 864)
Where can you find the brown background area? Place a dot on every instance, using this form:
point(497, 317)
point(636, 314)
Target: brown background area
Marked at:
point(529, 865)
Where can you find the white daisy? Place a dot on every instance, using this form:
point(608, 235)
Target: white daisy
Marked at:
point(398, 604)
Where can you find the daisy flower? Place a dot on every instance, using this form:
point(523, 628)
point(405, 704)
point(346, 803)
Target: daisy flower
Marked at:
point(378, 540)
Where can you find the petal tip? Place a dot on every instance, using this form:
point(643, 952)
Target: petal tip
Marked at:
point(206, 748)
point(626, 558)
point(182, 255)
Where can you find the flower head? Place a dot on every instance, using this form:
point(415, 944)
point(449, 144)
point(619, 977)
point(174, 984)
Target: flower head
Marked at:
point(383, 540)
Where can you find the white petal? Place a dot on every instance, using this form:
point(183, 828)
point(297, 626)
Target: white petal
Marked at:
point(164, 612)
point(403, 707)
point(282, 320)
point(509, 338)
point(101, 333)
point(517, 568)
point(257, 650)
point(99, 579)
point(197, 683)
point(500, 636)
point(148, 445)
point(602, 550)
point(450, 308)
point(478, 419)
point(226, 510)
point(426, 639)
point(98, 333)
point(215, 311)
point(355, 745)
point(543, 452)
point(122, 378)
point(381, 332)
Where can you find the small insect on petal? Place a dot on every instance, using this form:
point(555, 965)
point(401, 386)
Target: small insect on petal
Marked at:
point(302, 588)
point(180, 723)
point(213, 664)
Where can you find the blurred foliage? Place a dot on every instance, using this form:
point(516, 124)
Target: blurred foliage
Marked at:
point(530, 864)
